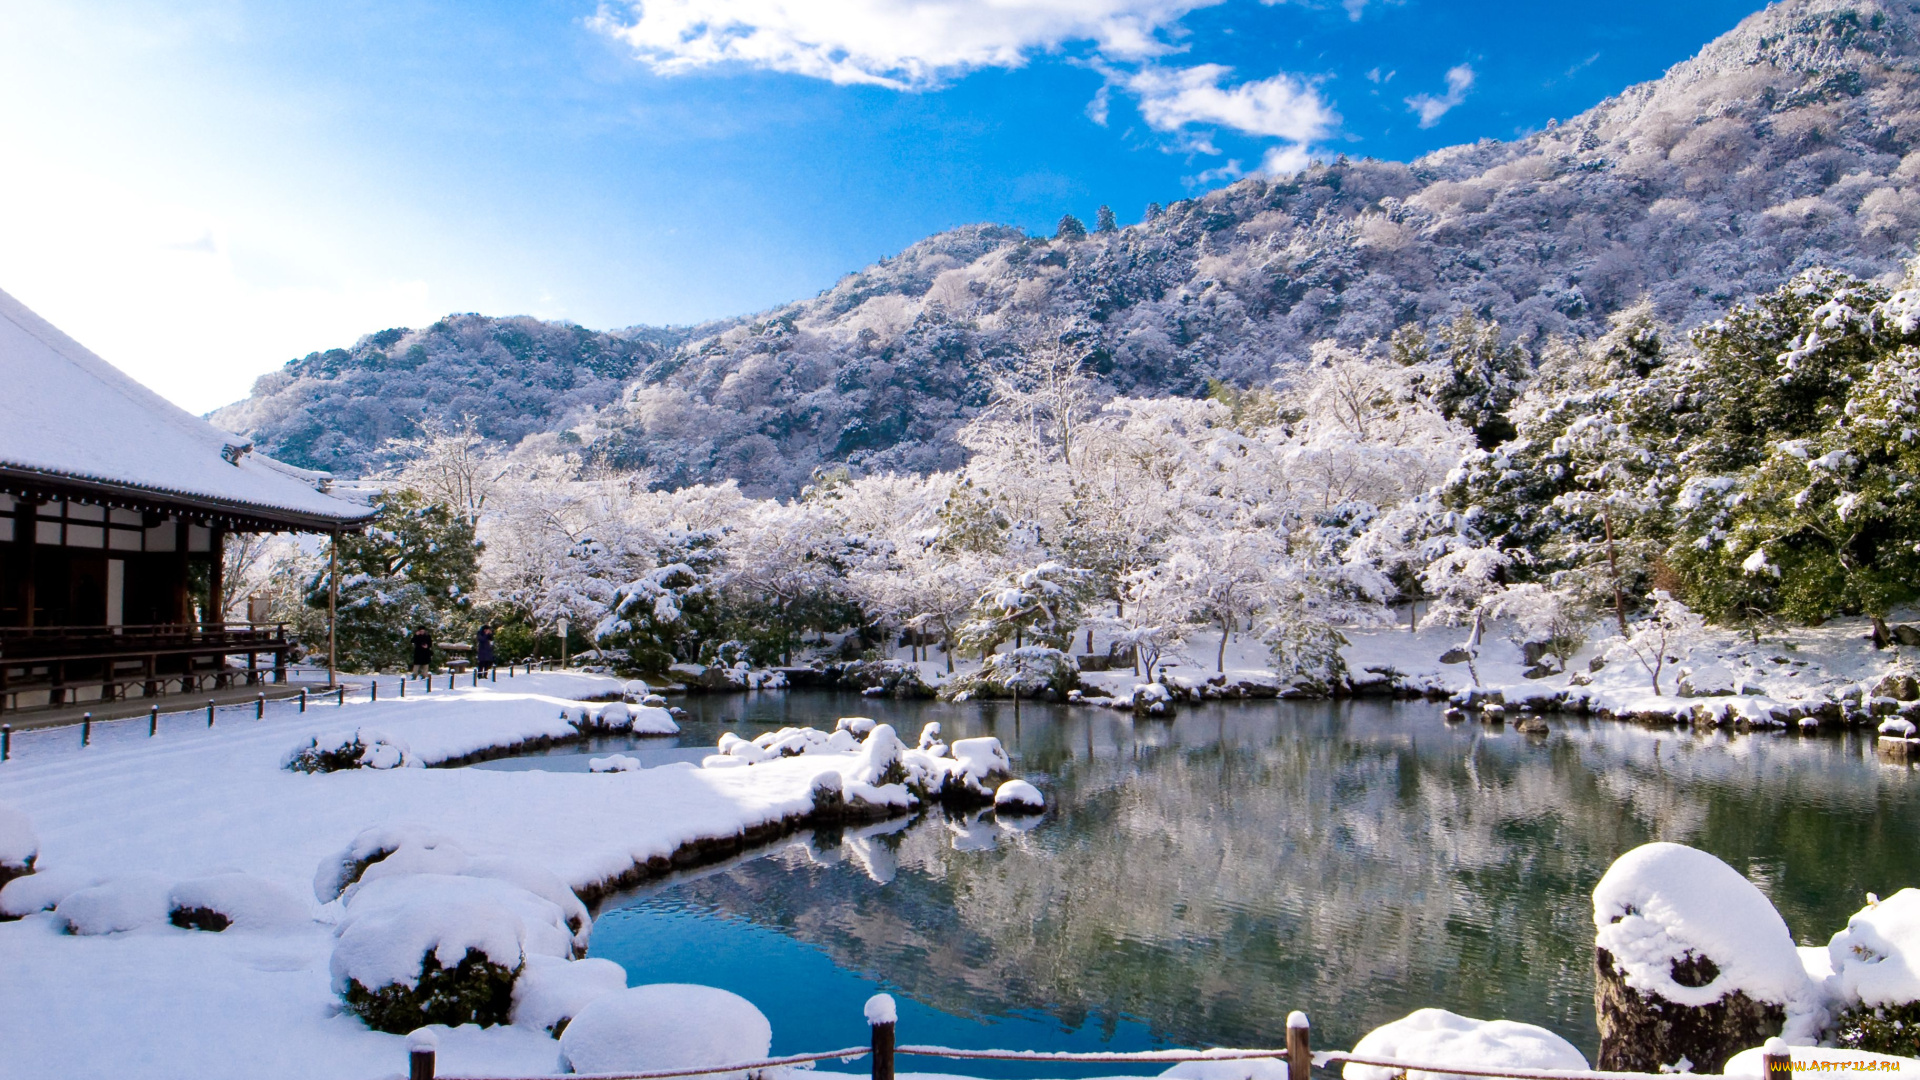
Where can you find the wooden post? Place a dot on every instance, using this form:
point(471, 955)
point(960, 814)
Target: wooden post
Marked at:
point(6, 741)
point(153, 721)
point(86, 729)
point(403, 686)
point(209, 712)
point(217, 577)
point(333, 605)
point(341, 696)
point(881, 1016)
point(421, 1045)
point(303, 699)
point(1776, 1061)
point(1299, 1049)
point(260, 707)
point(373, 691)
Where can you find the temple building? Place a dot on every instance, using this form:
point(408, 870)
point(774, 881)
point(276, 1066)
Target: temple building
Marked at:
point(114, 508)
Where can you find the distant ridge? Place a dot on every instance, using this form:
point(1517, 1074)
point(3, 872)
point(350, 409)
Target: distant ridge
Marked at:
point(1786, 143)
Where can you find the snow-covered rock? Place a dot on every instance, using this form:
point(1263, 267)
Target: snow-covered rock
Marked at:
point(550, 991)
point(1444, 1038)
point(1693, 961)
point(1897, 727)
point(666, 1026)
point(858, 726)
point(42, 891)
point(1020, 797)
point(240, 901)
point(614, 763)
point(1875, 983)
point(366, 748)
point(19, 846)
point(652, 720)
point(125, 903)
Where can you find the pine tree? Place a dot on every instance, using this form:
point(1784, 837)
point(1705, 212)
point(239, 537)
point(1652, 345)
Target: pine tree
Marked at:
point(1071, 229)
point(1103, 220)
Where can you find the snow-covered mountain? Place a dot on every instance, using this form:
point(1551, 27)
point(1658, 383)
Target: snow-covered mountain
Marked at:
point(1787, 143)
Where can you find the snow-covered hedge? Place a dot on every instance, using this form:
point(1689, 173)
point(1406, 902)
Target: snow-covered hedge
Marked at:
point(364, 749)
point(19, 846)
point(42, 891)
point(666, 1026)
point(1031, 671)
point(124, 903)
point(550, 992)
point(1444, 1038)
point(396, 851)
point(1876, 976)
point(234, 900)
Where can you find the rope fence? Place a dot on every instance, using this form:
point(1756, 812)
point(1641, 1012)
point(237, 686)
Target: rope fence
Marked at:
point(1299, 1056)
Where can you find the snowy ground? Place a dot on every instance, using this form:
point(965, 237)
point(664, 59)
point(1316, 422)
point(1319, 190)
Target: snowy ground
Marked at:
point(164, 1002)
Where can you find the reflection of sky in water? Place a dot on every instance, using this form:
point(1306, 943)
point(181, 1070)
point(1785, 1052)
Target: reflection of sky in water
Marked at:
point(1195, 880)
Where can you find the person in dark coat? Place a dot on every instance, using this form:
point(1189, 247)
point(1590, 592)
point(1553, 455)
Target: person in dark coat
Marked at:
point(483, 650)
point(422, 652)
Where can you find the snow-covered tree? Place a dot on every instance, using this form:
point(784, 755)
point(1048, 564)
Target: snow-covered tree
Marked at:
point(1666, 636)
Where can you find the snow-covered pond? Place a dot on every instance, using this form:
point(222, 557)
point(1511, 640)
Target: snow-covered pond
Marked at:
point(1194, 880)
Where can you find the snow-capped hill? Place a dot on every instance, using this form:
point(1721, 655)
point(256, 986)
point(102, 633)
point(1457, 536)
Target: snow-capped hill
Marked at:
point(1786, 143)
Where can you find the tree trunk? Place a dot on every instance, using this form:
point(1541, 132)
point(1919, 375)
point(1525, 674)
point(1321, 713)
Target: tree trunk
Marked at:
point(1089, 641)
point(1220, 658)
point(946, 646)
point(1613, 566)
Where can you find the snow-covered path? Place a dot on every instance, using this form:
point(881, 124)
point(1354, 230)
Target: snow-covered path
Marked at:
point(165, 1002)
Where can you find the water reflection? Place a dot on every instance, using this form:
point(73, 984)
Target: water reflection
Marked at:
point(1195, 880)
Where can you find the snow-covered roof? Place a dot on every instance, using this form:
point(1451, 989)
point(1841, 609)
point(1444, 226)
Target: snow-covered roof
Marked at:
point(66, 414)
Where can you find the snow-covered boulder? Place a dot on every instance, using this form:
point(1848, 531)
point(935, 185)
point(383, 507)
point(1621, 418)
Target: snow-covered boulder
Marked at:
point(613, 763)
point(1692, 961)
point(1876, 976)
point(1895, 727)
point(1444, 1038)
point(241, 901)
point(124, 903)
point(19, 846)
point(879, 763)
point(1018, 797)
point(364, 749)
point(857, 726)
point(411, 848)
point(550, 991)
point(652, 720)
point(885, 678)
point(666, 1026)
point(427, 949)
point(42, 891)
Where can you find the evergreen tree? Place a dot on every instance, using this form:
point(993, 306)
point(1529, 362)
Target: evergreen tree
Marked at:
point(1103, 220)
point(1071, 229)
point(417, 564)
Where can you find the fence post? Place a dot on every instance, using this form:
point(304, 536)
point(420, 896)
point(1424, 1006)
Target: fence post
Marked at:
point(1299, 1048)
point(209, 712)
point(303, 699)
point(153, 721)
point(86, 730)
point(6, 741)
point(403, 686)
point(1776, 1061)
point(260, 706)
point(421, 1044)
point(373, 691)
point(341, 696)
point(881, 1016)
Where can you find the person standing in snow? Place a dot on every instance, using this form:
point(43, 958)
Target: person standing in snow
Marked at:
point(483, 649)
point(422, 652)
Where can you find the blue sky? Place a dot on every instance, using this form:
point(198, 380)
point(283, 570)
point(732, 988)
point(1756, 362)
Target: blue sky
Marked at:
point(202, 189)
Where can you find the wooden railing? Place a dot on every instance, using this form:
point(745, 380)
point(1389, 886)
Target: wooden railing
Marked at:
point(1299, 1056)
point(60, 659)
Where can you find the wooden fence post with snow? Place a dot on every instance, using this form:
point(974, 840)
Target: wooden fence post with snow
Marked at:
point(881, 1016)
point(1299, 1049)
point(421, 1044)
point(1776, 1061)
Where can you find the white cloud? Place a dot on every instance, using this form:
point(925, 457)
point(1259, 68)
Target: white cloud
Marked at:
point(1430, 108)
point(904, 44)
point(1285, 160)
point(1097, 108)
point(1281, 107)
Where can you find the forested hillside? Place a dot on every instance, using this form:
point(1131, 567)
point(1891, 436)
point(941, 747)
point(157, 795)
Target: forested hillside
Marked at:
point(1786, 144)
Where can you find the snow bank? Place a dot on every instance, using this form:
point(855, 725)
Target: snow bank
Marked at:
point(126, 903)
point(1444, 1038)
point(1230, 1069)
point(666, 1026)
point(550, 991)
point(1019, 796)
point(1664, 903)
point(18, 844)
point(241, 901)
point(1876, 959)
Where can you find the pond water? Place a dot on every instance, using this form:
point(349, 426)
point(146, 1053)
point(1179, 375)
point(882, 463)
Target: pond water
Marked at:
point(1194, 880)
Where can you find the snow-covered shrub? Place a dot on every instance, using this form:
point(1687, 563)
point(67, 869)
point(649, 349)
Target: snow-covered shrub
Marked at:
point(666, 1026)
point(1306, 653)
point(125, 903)
point(440, 949)
point(1692, 961)
point(857, 726)
point(893, 678)
point(1444, 1038)
point(425, 851)
point(364, 749)
point(1030, 671)
point(19, 847)
point(1670, 631)
point(550, 991)
point(1876, 976)
point(1018, 797)
point(234, 900)
point(42, 891)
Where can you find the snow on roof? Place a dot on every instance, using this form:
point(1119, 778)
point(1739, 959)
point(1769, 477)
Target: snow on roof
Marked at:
point(69, 413)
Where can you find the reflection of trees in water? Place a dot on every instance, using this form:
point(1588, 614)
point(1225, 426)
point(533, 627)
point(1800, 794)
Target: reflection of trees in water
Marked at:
point(1355, 861)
